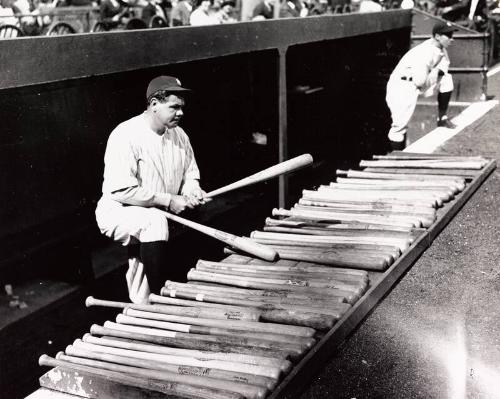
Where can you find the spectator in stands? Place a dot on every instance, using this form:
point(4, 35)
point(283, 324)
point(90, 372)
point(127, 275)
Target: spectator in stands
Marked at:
point(464, 12)
point(369, 6)
point(317, 7)
point(149, 166)
point(151, 9)
point(263, 10)
point(181, 11)
point(225, 13)
point(202, 15)
point(7, 13)
point(114, 13)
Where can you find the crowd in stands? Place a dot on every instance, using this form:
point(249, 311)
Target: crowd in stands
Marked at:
point(33, 15)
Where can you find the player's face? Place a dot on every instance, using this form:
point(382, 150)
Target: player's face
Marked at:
point(445, 40)
point(169, 113)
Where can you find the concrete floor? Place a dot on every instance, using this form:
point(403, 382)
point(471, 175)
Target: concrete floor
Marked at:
point(436, 334)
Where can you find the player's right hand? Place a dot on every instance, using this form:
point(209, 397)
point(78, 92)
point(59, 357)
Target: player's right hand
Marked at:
point(179, 203)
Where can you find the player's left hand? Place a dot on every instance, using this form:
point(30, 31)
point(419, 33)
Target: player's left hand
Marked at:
point(197, 197)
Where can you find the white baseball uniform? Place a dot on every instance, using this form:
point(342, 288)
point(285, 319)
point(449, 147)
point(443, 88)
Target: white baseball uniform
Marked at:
point(415, 74)
point(140, 164)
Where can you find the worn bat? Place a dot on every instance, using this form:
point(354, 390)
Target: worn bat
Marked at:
point(266, 174)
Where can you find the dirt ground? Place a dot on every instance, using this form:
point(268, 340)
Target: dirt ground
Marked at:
point(436, 334)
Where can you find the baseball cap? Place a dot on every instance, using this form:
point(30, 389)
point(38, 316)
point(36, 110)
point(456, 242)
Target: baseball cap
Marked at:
point(442, 27)
point(163, 82)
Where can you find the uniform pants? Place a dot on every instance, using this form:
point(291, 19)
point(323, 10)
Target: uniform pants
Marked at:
point(146, 228)
point(401, 98)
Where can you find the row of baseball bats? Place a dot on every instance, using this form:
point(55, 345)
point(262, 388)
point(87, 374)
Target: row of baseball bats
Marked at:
point(220, 341)
point(236, 327)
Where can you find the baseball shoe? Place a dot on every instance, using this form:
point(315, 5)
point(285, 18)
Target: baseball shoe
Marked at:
point(397, 145)
point(445, 122)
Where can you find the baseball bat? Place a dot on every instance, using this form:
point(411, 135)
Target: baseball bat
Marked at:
point(302, 282)
point(428, 163)
point(196, 376)
point(323, 258)
point(266, 174)
point(198, 343)
point(168, 388)
point(282, 364)
point(292, 348)
point(441, 185)
point(366, 207)
point(248, 326)
point(242, 282)
point(271, 293)
point(400, 155)
point(281, 269)
point(378, 174)
point(349, 218)
point(463, 173)
point(285, 340)
point(330, 308)
point(240, 243)
point(248, 272)
point(227, 314)
point(382, 243)
point(316, 317)
point(282, 293)
point(266, 371)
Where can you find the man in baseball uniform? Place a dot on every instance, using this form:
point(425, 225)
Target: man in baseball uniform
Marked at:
point(149, 165)
point(422, 70)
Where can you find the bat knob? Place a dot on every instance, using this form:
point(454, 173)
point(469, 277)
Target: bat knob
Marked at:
point(90, 301)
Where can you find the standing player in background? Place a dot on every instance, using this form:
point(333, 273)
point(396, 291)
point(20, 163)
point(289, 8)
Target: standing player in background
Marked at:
point(422, 70)
point(149, 165)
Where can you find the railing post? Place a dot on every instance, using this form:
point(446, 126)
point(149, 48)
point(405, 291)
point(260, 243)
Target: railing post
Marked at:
point(282, 134)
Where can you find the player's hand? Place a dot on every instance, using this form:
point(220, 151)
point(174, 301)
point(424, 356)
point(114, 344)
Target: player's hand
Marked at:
point(179, 203)
point(197, 197)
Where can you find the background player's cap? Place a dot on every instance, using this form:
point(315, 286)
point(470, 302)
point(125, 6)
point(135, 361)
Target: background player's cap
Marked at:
point(168, 83)
point(442, 27)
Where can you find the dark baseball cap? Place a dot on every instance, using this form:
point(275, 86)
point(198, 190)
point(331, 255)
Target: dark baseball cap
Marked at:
point(168, 83)
point(442, 27)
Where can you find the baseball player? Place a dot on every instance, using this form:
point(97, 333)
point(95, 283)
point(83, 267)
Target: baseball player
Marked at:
point(422, 70)
point(149, 165)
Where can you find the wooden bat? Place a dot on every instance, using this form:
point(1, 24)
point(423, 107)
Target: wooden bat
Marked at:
point(378, 174)
point(196, 376)
point(349, 218)
point(349, 280)
point(383, 243)
point(283, 339)
point(240, 243)
point(400, 196)
point(247, 326)
point(280, 293)
point(317, 318)
point(292, 348)
point(415, 155)
point(282, 364)
point(194, 294)
point(426, 163)
point(167, 388)
point(323, 258)
point(199, 343)
point(355, 233)
point(266, 371)
point(463, 173)
point(440, 185)
point(266, 174)
point(227, 314)
point(325, 272)
point(243, 282)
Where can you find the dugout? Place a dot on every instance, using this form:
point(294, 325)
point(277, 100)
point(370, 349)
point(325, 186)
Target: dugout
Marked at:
point(307, 85)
